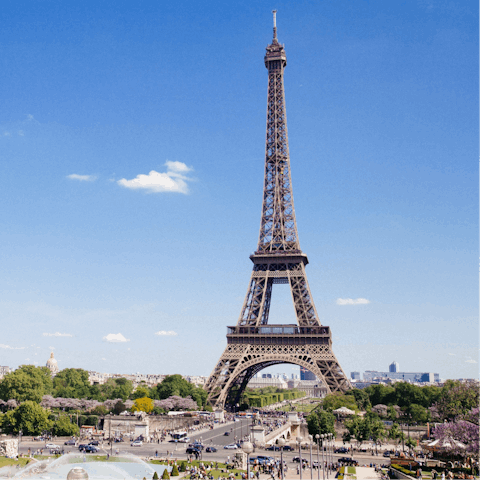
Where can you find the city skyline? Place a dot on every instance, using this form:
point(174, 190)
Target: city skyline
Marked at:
point(132, 143)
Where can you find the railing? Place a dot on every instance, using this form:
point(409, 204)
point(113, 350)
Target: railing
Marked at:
point(278, 330)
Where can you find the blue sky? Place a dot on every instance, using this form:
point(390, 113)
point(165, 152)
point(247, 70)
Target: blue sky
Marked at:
point(132, 153)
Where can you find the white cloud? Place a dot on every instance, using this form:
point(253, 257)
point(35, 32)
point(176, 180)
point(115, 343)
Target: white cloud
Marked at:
point(453, 354)
point(82, 178)
point(103, 358)
point(11, 348)
point(57, 334)
point(115, 338)
point(170, 181)
point(178, 167)
point(7, 134)
point(170, 333)
point(352, 301)
point(51, 348)
point(21, 133)
point(470, 360)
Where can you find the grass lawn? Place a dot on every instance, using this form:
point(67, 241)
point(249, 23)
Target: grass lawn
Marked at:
point(215, 472)
point(4, 462)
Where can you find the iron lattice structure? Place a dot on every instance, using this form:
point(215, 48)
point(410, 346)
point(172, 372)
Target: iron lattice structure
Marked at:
point(253, 344)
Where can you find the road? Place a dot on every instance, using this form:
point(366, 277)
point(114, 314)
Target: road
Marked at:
point(215, 437)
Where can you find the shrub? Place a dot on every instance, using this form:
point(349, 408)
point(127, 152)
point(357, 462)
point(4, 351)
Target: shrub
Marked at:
point(155, 476)
point(183, 466)
point(175, 471)
point(165, 475)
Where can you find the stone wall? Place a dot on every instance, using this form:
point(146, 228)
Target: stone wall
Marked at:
point(9, 448)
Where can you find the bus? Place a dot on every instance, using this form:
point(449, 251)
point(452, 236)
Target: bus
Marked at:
point(180, 437)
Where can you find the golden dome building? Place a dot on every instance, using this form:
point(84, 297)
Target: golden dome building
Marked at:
point(52, 365)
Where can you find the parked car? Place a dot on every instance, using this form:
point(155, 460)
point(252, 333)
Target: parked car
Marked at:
point(210, 449)
point(341, 450)
point(70, 442)
point(226, 434)
point(82, 446)
point(264, 459)
point(119, 440)
point(347, 460)
point(232, 446)
point(51, 445)
point(94, 442)
point(273, 448)
point(297, 459)
point(91, 449)
point(287, 448)
point(136, 443)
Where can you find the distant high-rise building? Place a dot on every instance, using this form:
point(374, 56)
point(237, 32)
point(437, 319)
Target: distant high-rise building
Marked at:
point(356, 375)
point(394, 367)
point(266, 375)
point(306, 374)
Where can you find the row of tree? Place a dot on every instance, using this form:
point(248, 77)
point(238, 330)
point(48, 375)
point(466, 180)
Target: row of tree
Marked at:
point(34, 383)
point(410, 403)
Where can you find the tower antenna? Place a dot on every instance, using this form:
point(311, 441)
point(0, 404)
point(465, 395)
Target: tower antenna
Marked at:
point(274, 24)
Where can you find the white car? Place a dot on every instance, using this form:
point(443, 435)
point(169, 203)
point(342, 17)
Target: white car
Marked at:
point(137, 443)
point(51, 445)
point(232, 446)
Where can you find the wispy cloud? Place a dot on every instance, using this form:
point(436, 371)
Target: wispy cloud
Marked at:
point(115, 338)
point(452, 354)
point(173, 180)
point(470, 360)
point(169, 333)
point(51, 348)
point(57, 334)
point(352, 301)
point(11, 348)
point(82, 178)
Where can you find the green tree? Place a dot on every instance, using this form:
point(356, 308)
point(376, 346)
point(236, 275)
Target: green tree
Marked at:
point(381, 394)
point(119, 408)
point(140, 392)
point(177, 385)
point(321, 422)
point(396, 433)
point(362, 398)
point(155, 476)
point(336, 400)
point(165, 474)
point(410, 443)
point(72, 383)
point(116, 388)
point(175, 472)
point(417, 413)
point(26, 383)
point(29, 417)
point(64, 427)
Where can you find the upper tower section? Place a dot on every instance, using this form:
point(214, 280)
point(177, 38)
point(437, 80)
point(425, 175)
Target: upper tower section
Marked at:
point(278, 228)
point(275, 57)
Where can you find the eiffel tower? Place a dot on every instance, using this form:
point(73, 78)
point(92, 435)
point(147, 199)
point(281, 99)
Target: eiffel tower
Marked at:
point(254, 344)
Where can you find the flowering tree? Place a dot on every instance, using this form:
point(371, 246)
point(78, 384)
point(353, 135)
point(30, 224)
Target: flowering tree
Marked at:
point(462, 431)
point(457, 399)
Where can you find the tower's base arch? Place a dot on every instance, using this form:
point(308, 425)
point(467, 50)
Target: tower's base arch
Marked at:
point(239, 363)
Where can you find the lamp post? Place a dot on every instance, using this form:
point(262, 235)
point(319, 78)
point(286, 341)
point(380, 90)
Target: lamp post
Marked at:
point(317, 436)
point(281, 444)
point(310, 440)
point(247, 447)
point(332, 443)
point(322, 436)
point(299, 441)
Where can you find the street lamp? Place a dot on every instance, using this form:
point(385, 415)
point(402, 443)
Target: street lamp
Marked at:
point(322, 436)
point(299, 441)
point(247, 448)
point(330, 462)
point(281, 444)
point(317, 436)
point(310, 440)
